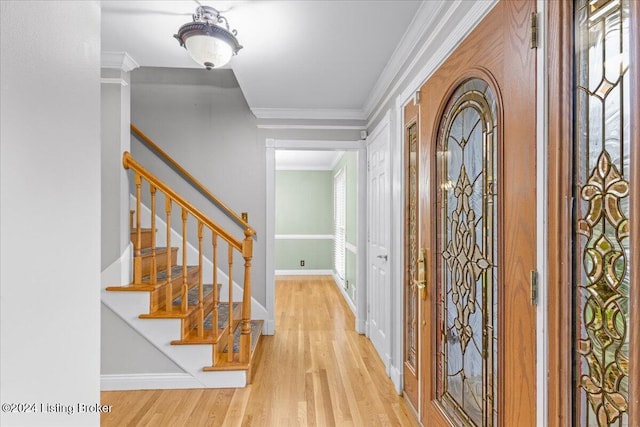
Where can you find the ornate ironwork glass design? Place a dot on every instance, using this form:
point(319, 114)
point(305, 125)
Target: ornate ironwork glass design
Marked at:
point(467, 248)
point(601, 259)
point(411, 291)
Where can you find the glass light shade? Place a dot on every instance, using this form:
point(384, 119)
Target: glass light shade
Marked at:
point(208, 51)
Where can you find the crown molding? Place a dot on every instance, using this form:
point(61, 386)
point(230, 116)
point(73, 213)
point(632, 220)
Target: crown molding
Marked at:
point(308, 144)
point(478, 10)
point(114, 80)
point(436, 53)
point(312, 127)
point(309, 113)
point(118, 60)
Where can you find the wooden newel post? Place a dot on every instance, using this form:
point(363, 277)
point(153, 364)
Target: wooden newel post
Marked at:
point(245, 336)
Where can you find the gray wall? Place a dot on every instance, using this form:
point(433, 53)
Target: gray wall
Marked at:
point(50, 209)
point(125, 351)
point(201, 119)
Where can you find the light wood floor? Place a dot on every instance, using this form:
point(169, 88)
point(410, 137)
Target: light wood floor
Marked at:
point(315, 371)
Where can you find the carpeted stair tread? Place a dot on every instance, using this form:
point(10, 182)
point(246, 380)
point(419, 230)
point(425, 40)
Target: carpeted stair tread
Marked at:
point(256, 330)
point(223, 315)
point(147, 251)
point(176, 271)
point(193, 294)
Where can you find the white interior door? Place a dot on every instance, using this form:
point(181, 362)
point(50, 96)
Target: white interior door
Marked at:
point(378, 265)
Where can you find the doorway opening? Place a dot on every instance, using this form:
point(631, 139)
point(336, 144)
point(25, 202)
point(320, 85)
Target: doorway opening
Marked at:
point(315, 216)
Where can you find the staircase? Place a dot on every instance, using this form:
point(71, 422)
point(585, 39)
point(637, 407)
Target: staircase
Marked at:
point(196, 322)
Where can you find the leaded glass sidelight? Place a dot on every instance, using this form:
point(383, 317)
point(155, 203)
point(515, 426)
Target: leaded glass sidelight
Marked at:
point(411, 291)
point(466, 380)
point(601, 259)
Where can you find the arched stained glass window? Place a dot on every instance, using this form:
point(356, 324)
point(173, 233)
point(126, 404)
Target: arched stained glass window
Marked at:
point(467, 248)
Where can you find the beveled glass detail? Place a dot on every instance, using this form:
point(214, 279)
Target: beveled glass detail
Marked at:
point(411, 274)
point(601, 232)
point(467, 247)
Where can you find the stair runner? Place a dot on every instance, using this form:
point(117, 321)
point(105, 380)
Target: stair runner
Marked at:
point(256, 330)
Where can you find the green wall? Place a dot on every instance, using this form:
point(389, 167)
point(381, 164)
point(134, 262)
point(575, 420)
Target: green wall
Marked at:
point(304, 206)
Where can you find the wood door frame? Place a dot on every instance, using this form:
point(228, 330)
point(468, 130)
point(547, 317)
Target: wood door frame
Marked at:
point(559, 256)
point(560, 129)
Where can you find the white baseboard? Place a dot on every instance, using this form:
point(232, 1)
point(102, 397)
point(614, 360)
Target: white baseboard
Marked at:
point(269, 327)
point(396, 378)
point(111, 382)
point(339, 283)
point(304, 272)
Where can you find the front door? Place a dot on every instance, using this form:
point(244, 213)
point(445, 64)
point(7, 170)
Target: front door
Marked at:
point(478, 227)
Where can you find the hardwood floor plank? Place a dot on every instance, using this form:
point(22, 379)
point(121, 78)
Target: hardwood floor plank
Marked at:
point(315, 371)
point(237, 407)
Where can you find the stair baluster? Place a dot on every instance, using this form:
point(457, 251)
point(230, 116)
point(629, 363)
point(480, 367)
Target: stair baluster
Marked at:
point(185, 285)
point(200, 325)
point(154, 264)
point(230, 310)
point(169, 286)
point(137, 257)
point(216, 297)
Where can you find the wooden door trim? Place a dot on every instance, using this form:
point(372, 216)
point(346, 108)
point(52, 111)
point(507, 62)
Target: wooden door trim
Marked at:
point(559, 218)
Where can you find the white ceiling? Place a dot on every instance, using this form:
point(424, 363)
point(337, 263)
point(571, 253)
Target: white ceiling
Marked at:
point(327, 58)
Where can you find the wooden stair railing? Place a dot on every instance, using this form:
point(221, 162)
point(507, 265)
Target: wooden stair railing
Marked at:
point(242, 219)
point(244, 247)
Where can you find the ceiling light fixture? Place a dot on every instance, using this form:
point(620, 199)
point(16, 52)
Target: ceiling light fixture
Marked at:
point(208, 38)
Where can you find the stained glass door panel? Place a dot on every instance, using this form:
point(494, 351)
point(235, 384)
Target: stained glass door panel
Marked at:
point(602, 265)
point(467, 265)
point(411, 243)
